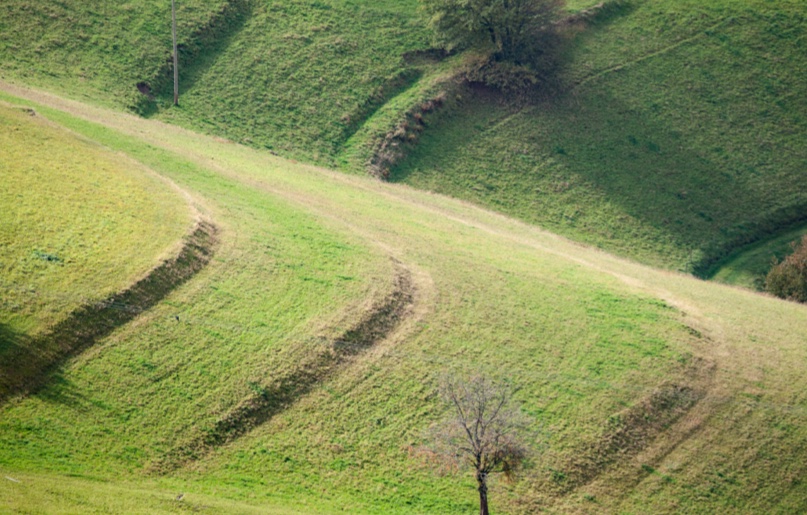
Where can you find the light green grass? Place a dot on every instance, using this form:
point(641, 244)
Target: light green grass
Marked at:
point(585, 336)
point(78, 221)
point(275, 285)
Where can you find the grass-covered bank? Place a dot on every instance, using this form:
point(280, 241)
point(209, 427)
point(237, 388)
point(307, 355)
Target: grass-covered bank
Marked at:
point(677, 136)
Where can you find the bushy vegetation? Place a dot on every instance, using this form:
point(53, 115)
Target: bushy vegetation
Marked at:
point(510, 30)
point(788, 279)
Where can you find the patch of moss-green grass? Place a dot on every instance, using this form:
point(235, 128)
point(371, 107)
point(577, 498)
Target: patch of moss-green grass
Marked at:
point(78, 221)
point(300, 77)
point(98, 50)
point(750, 266)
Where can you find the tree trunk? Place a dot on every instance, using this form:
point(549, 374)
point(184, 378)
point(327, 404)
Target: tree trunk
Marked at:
point(481, 478)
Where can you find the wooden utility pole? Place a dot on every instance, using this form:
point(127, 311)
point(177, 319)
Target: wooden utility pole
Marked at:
point(176, 57)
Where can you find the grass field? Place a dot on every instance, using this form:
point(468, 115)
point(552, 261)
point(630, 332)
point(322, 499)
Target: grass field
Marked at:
point(677, 136)
point(78, 221)
point(296, 371)
point(587, 337)
point(300, 77)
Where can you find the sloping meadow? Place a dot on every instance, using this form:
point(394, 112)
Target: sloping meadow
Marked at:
point(304, 254)
point(675, 133)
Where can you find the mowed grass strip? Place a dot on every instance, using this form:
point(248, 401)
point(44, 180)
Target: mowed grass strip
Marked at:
point(676, 135)
point(281, 284)
point(78, 222)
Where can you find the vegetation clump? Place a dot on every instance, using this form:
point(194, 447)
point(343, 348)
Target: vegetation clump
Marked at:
point(788, 279)
point(515, 37)
point(512, 30)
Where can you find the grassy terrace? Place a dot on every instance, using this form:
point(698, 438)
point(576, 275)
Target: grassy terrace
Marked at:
point(587, 336)
point(78, 222)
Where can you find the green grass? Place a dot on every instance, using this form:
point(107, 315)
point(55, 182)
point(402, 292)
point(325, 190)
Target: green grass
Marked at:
point(78, 222)
point(300, 77)
point(750, 267)
point(584, 335)
point(642, 152)
point(674, 176)
point(97, 50)
point(678, 135)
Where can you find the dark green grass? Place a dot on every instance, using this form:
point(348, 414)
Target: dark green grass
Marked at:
point(750, 267)
point(301, 77)
point(678, 135)
point(98, 50)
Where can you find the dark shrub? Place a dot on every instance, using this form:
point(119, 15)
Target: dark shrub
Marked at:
point(788, 279)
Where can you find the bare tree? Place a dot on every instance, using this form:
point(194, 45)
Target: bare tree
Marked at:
point(486, 431)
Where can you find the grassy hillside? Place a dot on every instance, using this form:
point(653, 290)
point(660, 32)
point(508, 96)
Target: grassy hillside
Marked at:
point(297, 77)
point(677, 134)
point(98, 50)
point(297, 371)
point(653, 391)
point(300, 77)
point(78, 222)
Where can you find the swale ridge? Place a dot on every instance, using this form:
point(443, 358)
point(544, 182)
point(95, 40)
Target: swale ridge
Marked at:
point(375, 325)
point(29, 366)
